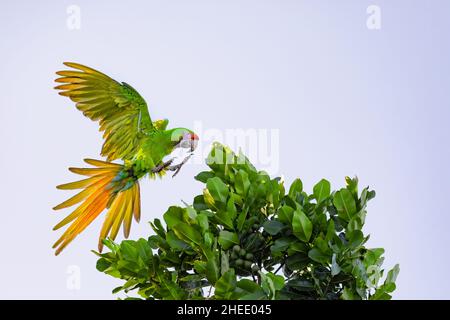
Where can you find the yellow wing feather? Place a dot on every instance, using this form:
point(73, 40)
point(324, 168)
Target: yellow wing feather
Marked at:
point(122, 113)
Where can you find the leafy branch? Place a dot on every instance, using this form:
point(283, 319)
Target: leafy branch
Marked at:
point(246, 237)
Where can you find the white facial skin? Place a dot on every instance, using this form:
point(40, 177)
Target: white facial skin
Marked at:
point(188, 142)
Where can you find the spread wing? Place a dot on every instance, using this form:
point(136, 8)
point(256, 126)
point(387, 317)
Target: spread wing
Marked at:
point(122, 113)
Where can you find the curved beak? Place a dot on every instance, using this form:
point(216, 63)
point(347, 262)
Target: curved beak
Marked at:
point(194, 142)
point(193, 145)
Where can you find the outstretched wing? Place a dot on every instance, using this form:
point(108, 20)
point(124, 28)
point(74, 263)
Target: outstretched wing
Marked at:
point(122, 113)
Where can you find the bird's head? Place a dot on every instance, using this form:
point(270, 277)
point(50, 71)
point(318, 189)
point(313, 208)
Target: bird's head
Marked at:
point(184, 138)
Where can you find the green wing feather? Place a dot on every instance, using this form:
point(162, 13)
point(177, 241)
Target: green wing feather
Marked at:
point(122, 113)
point(161, 125)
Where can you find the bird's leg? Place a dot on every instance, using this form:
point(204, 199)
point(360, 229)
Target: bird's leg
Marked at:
point(162, 166)
point(177, 167)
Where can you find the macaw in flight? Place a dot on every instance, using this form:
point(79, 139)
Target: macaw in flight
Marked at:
point(131, 136)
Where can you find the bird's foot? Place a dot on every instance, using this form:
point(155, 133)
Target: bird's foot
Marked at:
point(163, 166)
point(177, 167)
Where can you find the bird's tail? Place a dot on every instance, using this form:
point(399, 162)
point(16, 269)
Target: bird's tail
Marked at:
point(109, 186)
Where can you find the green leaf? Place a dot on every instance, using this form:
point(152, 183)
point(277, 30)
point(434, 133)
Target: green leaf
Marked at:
point(373, 256)
point(296, 188)
point(381, 294)
point(318, 256)
point(355, 223)
point(301, 225)
point(224, 262)
point(321, 244)
point(188, 233)
point(102, 264)
point(212, 268)
point(285, 214)
point(169, 289)
point(355, 238)
point(297, 246)
point(227, 239)
point(273, 227)
point(204, 176)
point(202, 220)
point(301, 285)
point(111, 245)
point(173, 216)
point(345, 204)
point(129, 250)
point(218, 189)
point(224, 287)
point(176, 243)
point(208, 238)
point(371, 195)
point(349, 294)
point(231, 210)
point(117, 289)
point(199, 203)
point(363, 198)
point(191, 213)
point(392, 275)
point(212, 271)
point(224, 218)
point(271, 283)
point(241, 218)
point(200, 266)
point(242, 183)
point(322, 190)
point(248, 285)
point(335, 268)
point(331, 230)
point(250, 290)
point(352, 186)
point(281, 245)
point(278, 281)
point(154, 241)
point(297, 261)
point(216, 159)
point(277, 192)
point(253, 242)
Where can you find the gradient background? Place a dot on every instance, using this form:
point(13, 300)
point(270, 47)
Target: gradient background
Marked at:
point(347, 100)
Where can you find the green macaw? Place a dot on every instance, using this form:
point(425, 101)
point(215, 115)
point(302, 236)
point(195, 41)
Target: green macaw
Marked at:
point(130, 135)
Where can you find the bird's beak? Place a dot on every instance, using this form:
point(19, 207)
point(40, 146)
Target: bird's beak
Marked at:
point(193, 145)
point(193, 142)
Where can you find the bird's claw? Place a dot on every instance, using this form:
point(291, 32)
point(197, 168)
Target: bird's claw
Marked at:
point(177, 167)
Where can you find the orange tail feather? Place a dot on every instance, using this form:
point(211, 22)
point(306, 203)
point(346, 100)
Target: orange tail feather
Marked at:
point(101, 191)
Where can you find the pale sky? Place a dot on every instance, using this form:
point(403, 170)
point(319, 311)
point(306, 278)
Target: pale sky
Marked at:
point(340, 98)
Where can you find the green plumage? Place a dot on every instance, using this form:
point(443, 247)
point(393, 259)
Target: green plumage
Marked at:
point(130, 135)
point(123, 116)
